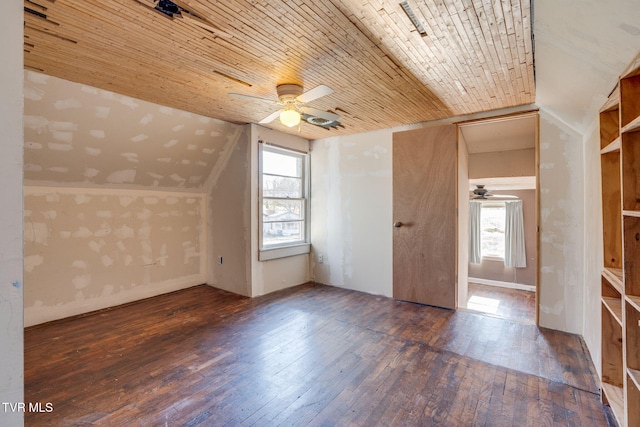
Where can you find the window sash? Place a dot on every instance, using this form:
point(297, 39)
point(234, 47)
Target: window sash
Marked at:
point(300, 194)
point(493, 235)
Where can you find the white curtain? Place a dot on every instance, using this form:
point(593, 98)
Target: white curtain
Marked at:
point(514, 252)
point(475, 243)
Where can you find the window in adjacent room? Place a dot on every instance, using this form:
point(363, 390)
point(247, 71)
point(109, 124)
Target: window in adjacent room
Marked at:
point(284, 202)
point(492, 219)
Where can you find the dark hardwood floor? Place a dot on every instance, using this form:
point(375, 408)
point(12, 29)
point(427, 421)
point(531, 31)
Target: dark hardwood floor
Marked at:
point(310, 355)
point(511, 304)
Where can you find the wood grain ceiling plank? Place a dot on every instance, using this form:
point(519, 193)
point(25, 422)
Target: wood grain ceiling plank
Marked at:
point(489, 56)
point(492, 90)
point(383, 73)
point(525, 47)
point(451, 48)
point(511, 37)
point(393, 70)
point(496, 31)
point(475, 86)
point(405, 46)
point(157, 47)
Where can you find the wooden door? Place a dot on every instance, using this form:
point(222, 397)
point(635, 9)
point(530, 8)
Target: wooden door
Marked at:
point(424, 214)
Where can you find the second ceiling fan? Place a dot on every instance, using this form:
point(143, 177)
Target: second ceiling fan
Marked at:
point(481, 193)
point(292, 98)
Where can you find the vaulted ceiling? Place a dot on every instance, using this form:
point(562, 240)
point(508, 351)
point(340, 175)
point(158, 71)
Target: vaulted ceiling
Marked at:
point(463, 56)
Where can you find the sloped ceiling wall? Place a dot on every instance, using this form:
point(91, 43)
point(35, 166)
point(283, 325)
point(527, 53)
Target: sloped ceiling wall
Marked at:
point(77, 135)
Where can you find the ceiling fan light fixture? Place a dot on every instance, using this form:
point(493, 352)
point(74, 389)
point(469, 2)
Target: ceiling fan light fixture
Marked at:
point(289, 117)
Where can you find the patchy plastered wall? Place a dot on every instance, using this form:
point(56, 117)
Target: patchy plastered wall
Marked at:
point(351, 211)
point(77, 135)
point(230, 221)
point(87, 249)
point(561, 226)
point(11, 276)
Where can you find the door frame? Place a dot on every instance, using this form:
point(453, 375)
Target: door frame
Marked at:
point(535, 114)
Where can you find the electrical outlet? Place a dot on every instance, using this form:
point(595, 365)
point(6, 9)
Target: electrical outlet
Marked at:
point(320, 258)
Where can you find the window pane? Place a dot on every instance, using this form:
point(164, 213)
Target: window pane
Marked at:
point(282, 210)
point(282, 232)
point(277, 186)
point(493, 221)
point(281, 164)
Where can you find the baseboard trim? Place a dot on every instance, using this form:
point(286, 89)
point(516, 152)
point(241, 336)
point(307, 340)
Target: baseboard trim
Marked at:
point(520, 286)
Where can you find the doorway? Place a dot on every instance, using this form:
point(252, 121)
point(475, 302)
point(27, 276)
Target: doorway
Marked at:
point(497, 169)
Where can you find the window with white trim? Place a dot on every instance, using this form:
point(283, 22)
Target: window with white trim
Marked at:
point(283, 198)
point(492, 220)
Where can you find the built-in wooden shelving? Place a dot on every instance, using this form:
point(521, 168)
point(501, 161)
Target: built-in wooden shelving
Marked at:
point(620, 162)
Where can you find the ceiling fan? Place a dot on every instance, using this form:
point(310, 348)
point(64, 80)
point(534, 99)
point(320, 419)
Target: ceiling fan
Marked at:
point(292, 99)
point(481, 193)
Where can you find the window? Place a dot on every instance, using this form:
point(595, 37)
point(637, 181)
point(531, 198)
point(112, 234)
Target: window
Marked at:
point(283, 197)
point(492, 220)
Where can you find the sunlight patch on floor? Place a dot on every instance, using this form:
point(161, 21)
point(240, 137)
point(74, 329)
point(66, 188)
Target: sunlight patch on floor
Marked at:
point(486, 305)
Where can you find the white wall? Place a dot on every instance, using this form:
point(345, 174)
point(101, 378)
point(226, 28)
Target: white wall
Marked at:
point(351, 211)
point(230, 220)
point(561, 226)
point(11, 277)
point(502, 163)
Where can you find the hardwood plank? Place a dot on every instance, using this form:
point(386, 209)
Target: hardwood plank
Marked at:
point(309, 355)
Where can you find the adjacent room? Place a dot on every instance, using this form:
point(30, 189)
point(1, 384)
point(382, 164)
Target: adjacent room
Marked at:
point(319, 213)
point(502, 174)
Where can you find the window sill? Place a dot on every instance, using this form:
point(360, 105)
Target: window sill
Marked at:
point(284, 251)
point(492, 258)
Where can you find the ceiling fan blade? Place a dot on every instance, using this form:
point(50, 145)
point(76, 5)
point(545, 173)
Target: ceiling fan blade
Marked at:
point(271, 117)
point(319, 113)
point(315, 93)
point(253, 98)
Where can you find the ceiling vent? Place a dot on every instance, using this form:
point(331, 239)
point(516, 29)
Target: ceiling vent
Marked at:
point(414, 19)
point(319, 121)
point(168, 8)
point(322, 122)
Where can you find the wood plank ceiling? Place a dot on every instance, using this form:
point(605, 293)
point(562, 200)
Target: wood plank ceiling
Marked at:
point(475, 55)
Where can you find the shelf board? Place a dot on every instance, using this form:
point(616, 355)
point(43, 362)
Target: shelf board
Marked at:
point(615, 397)
point(614, 305)
point(633, 69)
point(632, 126)
point(634, 301)
point(631, 213)
point(613, 102)
point(613, 146)
point(635, 376)
point(614, 276)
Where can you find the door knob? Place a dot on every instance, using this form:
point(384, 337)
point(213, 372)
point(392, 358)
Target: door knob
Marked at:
point(398, 224)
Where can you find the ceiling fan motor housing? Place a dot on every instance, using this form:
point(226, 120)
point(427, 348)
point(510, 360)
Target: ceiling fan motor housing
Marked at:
point(288, 93)
point(480, 190)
